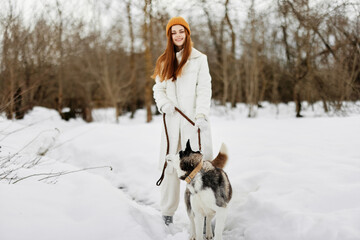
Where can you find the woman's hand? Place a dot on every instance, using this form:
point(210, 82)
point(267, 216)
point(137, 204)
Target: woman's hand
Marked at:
point(202, 123)
point(168, 108)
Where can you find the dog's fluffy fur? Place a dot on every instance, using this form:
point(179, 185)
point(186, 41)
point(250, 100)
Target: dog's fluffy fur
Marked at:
point(208, 194)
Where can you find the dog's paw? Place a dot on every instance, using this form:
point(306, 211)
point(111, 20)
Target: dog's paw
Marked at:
point(192, 238)
point(209, 236)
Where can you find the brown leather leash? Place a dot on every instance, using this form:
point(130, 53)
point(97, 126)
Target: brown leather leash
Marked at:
point(158, 183)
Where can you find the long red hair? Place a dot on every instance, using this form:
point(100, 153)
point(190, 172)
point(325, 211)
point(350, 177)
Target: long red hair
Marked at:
point(167, 66)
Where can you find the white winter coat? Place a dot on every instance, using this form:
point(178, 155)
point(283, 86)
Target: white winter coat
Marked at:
point(191, 93)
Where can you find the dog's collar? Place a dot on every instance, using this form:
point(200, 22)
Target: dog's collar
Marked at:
point(191, 176)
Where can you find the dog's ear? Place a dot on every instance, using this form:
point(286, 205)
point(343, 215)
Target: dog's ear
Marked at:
point(188, 147)
point(187, 150)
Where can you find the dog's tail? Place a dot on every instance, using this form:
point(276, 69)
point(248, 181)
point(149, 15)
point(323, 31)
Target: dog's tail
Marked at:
point(221, 159)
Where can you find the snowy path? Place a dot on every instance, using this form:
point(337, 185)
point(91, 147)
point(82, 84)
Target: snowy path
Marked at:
point(292, 179)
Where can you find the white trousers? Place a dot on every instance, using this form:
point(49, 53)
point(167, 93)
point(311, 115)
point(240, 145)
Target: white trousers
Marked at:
point(170, 194)
point(170, 191)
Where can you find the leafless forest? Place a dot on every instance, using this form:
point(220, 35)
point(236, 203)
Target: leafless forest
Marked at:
point(285, 50)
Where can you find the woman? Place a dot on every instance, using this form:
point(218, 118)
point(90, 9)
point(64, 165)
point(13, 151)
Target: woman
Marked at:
point(183, 81)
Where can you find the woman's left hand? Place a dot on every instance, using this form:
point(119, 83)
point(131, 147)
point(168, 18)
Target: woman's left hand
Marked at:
point(202, 123)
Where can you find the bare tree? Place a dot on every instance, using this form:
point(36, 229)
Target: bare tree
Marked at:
point(252, 62)
point(12, 90)
point(132, 69)
point(60, 29)
point(147, 38)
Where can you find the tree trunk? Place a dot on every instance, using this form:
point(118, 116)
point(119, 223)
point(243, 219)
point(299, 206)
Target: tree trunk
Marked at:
point(148, 59)
point(133, 84)
point(61, 51)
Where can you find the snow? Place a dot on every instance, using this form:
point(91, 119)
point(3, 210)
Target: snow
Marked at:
point(292, 178)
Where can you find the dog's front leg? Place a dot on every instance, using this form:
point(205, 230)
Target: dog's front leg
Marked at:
point(192, 227)
point(209, 234)
point(199, 226)
point(220, 222)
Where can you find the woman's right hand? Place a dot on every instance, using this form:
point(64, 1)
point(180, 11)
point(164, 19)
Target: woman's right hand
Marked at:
point(168, 108)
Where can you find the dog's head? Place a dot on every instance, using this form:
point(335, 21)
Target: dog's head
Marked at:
point(185, 161)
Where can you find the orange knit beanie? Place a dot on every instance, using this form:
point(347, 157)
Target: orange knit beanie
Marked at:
point(177, 21)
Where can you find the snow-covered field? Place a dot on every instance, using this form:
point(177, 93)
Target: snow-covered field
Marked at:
point(293, 179)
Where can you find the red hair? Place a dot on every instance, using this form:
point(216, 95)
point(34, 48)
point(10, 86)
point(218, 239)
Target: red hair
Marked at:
point(167, 66)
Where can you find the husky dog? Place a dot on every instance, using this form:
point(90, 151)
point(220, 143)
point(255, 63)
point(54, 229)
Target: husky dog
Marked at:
point(208, 191)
